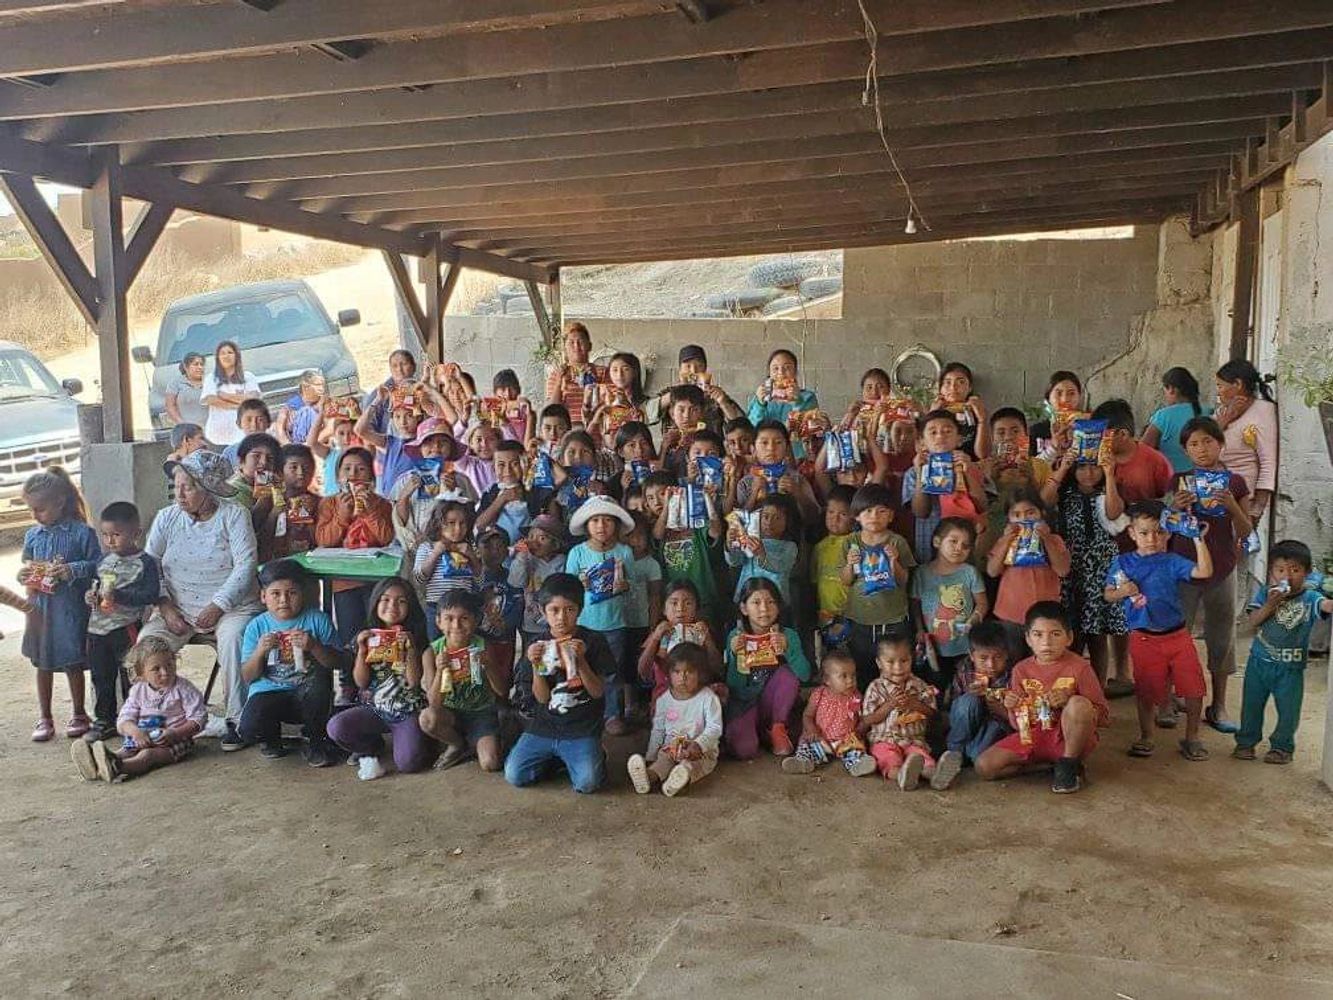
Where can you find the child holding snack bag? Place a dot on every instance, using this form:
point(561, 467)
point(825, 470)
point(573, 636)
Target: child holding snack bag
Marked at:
point(128, 583)
point(977, 716)
point(687, 727)
point(955, 396)
point(1141, 472)
point(948, 596)
point(1055, 706)
point(405, 406)
point(540, 553)
point(780, 393)
point(1051, 436)
point(943, 481)
point(680, 623)
point(830, 725)
point(897, 708)
point(446, 560)
point(617, 401)
point(501, 602)
point(436, 474)
point(162, 715)
point(773, 473)
point(1029, 560)
point(289, 527)
point(328, 440)
point(600, 563)
point(510, 503)
point(519, 422)
point(559, 686)
point(875, 570)
point(634, 448)
point(463, 681)
point(765, 668)
point(60, 556)
point(388, 670)
point(826, 562)
point(289, 655)
point(764, 543)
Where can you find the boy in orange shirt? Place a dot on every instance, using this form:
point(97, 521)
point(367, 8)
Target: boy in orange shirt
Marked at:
point(1055, 705)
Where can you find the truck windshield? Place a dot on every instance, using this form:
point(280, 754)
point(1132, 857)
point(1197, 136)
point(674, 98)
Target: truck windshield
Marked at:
point(22, 377)
point(251, 322)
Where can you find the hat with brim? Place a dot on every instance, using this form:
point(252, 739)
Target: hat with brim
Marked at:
point(599, 506)
point(209, 471)
point(550, 524)
point(437, 427)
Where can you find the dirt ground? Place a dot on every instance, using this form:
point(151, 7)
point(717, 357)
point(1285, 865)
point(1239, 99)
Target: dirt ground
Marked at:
point(237, 876)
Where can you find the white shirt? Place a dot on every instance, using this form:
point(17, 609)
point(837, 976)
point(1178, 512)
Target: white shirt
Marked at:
point(698, 720)
point(206, 562)
point(221, 428)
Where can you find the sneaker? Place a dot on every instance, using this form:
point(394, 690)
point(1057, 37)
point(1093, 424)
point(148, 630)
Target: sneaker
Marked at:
point(1244, 753)
point(345, 698)
point(638, 773)
point(1277, 757)
point(100, 730)
point(231, 739)
point(797, 765)
point(677, 780)
point(864, 766)
point(214, 729)
point(77, 726)
point(779, 740)
point(108, 764)
point(1066, 778)
point(318, 755)
point(44, 730)
point(369, 768)
point(946, 770)
point(909, 775)
point(270, 749)
point(81, 753)
point(452, 756)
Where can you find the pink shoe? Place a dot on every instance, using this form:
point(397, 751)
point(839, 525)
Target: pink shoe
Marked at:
point(43, 731)
point(77, 726)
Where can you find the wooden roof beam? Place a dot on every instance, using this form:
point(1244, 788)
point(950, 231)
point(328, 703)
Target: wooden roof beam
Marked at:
point(696, 83)
point(773, 25)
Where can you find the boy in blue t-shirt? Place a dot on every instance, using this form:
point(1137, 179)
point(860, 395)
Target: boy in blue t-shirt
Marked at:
point(288, 656)
point(1160, 646)
point(1282, 613)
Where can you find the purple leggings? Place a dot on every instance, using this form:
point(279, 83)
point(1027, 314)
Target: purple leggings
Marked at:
point(774, 705)
point(360, 730)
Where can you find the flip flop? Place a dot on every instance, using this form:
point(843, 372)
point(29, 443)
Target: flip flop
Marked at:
point(1193, 750)
point(1141, 748)
point(1221, 725)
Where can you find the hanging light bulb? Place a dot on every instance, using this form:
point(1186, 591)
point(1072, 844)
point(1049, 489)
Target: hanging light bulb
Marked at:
point(910, 228)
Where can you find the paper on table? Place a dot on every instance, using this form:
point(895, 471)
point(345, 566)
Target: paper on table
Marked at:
point(327, 552)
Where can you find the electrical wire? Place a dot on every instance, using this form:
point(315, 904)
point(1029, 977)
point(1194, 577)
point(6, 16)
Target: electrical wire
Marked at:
point(870, 97)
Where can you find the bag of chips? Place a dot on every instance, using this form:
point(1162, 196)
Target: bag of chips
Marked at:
point(940, 477)
point(1089, 439)
point(342, 408)
point(389, 647)
point(1209, 486)
point(685, 632)
point(427, 471)
point(558, 655)
point(875, 569)
point(639, 470)
point(781, 390)
point(454, 566)
point(698, 507)
point(491, 410)
point(842, 450)
point(675, 507)
point(772, 473)
point(757, 652)
point(1026, 549)
point(575, 489)
point(602, 581)
point(542, 473)
point(461, 666)
point(1181, 522)
point(710, 470)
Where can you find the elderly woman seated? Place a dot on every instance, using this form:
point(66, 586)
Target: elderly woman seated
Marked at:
point(207, 552)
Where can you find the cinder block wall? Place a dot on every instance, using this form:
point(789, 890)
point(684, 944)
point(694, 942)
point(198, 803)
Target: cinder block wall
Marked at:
point(1014, 310)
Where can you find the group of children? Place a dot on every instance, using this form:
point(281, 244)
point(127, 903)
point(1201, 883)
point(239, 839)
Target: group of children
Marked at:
point(943, 572)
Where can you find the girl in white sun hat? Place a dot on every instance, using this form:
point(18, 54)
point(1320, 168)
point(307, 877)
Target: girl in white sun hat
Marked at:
point(599, 561)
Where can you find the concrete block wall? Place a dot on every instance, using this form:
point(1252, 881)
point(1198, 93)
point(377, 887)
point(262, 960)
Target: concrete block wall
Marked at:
point(1014, 310)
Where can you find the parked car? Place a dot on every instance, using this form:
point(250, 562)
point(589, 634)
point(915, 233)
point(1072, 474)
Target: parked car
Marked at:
point(39, 426)
point(282, 329)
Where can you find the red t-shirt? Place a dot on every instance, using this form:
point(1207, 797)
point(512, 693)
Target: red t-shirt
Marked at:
point(1030, 678)
point(1145, 475)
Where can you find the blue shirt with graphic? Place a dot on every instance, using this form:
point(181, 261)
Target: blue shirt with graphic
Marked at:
point(280, 675)
point(1285, 637)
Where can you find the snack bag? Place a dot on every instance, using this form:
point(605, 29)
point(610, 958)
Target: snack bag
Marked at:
point(771, 473)
point(404, 397)
point(575, 489)
point(1026, 549)
point(454, 565)
point(806, 424)
point(698, 507)
point(1009, 453)
point(842, 450)
point(941, 479)
point(541, 474)
point(691, 632)
point(42, 579)
point(301, 509)
point(640, 470)
point(781, 390)
point(342, 408)
point(1089, 440)
point(702, 379)
point(602, 581)
point(360, 493)
point(558, 655)
point(875, 569)
point(1181, 522)
point(390, 647)
point(710, 470)
point(1063, 420)
point(461, 666)
point(492, 410)
point(428, 470)
point(106, 590)
point(1209, 486)
point(757, 652)
point(675, 505)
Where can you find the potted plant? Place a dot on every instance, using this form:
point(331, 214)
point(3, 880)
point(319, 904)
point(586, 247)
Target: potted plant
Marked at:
point(1310, 372)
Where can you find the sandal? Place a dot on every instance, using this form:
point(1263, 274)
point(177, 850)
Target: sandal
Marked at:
point(1141, 748)
point(1193, 750)
point(1221, 725)
point(1166, 717)
point(77, 726)
point(44, 730)
point(1277, 757)
point(1117, 688)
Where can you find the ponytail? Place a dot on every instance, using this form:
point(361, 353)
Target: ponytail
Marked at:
point(54, 482)
point(1186, 386)
point(1242, 371)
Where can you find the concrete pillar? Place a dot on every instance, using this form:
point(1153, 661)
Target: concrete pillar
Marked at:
point(113, 340)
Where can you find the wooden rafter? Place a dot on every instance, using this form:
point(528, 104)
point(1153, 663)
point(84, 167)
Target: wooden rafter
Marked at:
point(53, 242)
point(143, 236)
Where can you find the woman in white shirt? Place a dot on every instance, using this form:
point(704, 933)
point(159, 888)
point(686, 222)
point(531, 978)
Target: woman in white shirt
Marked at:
point(225, 388)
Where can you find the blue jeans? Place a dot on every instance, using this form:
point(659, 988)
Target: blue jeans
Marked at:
point(972, 727)
point(614, 685)
point(533, 756)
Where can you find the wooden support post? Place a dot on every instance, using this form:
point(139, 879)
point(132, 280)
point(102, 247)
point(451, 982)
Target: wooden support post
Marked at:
point(1298, 130)
point(555, 306)
point(407, 295)
point(450, 283)
point(539, 311)
point(53, 242)
point(113, 332)
point(144, 232)
point(1247, 249)
point(434, 302)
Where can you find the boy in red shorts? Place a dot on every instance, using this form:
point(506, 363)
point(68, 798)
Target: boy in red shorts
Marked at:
point(1147, 580)
point(1055, 705)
